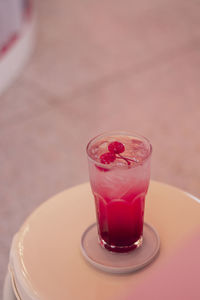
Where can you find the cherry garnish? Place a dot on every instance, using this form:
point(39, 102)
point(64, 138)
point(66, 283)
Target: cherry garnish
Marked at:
point(107, 158)
point(116, 147)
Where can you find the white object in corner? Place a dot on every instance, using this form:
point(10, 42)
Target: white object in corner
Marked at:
point(12, 62)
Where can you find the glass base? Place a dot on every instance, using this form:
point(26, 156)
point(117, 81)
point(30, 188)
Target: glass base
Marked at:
point(123, 249)
point(120, 263)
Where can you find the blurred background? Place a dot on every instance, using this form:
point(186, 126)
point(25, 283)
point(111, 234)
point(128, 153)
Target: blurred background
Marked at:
point(96, 66)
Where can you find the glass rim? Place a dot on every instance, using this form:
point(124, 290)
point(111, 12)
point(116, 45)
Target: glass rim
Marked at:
point(109, 133)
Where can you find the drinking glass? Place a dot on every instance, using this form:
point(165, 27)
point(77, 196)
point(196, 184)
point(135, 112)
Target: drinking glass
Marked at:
point(119, 171)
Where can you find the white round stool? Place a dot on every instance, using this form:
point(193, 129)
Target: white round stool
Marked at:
point(46, 261)
point(8, 293)
point(16, 56)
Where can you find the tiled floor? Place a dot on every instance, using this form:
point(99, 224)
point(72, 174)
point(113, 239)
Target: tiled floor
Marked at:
point(99, 65)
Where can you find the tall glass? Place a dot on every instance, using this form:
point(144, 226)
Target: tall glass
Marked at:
point(119, 170)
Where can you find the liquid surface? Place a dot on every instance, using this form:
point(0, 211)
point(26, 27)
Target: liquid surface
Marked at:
point(135, 150)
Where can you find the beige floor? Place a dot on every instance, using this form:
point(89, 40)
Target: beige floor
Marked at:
point(97, 66)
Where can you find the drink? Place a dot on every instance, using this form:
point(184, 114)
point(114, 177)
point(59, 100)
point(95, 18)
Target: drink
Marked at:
point(119, 169)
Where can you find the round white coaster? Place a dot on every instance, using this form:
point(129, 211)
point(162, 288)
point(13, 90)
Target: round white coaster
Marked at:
point(120, 263)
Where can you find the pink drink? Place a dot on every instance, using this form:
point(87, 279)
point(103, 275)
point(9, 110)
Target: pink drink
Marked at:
point(119, 187)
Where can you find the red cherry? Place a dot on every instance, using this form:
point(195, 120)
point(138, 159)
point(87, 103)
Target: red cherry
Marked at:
point(116, 147)
point(107, 158)
point(101, 169)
